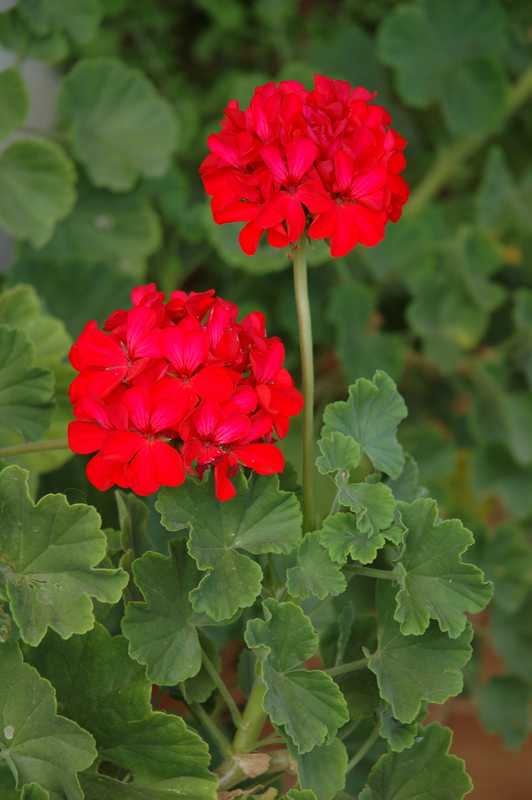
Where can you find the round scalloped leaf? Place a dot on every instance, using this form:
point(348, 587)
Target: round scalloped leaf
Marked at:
point(14, 101)
point(36, 189)
point(120, 127)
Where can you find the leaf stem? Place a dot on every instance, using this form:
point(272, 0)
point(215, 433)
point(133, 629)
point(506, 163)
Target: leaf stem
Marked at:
point(33, 447)
point(253, 720)
point(364, 749)
point(216, 678)
point(371, 572)
point(451, 158)
point(216, 733)
point(304, 322)
point(349, 666)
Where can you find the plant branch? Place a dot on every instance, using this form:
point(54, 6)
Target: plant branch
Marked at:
point(253, 720)
point(236, 716)
point(344, 669)
point(371, 572)
point(449, 160)
point(216, 733)
point(304, 322)
point(33, 447)
point(364, 749)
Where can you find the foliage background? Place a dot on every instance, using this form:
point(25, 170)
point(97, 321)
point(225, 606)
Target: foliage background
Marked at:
point(444, 304)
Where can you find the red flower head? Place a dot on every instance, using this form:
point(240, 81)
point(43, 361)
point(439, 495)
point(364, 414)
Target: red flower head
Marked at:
point(325, 162)
point(170, 388)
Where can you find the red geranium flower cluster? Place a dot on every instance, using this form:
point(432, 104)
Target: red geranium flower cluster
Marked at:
point(169, 388)
point(325, 161)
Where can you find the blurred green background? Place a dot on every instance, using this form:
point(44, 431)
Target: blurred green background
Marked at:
point(444, 304)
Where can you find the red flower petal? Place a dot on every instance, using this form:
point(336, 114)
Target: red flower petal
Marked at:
point(86, 437)
point(266, 459)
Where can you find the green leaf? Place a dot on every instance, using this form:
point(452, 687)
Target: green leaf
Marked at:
point(512, 636)
point(425, 770)
point(261, 519)
point(25, 391)
point(298, 794)
point(106, 228)
point(370, 416)
point(119, 125)
point(77, 18)
point(373, 505)
point(339, 453)
point(162, 631)
point(101, 787)
point(361, 346)
point(399, 735)
point(39, 746)
point(316, 574)
point(342, 538)
point(406, 487)
point(506, 558)
point(503, 708)
point(48, 555)
point(412, 670)
point(36, 189)
point(323, 770)
point(501, 204)
point(14, 101)
point(103, 690)
point(497, 473)
point(17, 36)
point(442, 54)
point(435, 582)
point(307, 703)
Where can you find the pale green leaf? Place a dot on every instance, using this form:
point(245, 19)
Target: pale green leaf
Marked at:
point(39, 745)
point(316, 574)
point(307, 703)
point(323, 770)
point(162, 631)
point(260, 519)
point(14, 101)
point(342, 538)
point(25, 391)
point(36, 189)
point(373, 505)
point(339, 453)
point(434, 581)
point(399, 735)
point(48, 558)
point(412, 670)
point(370, 416)
point(119, 125)
point(426, 770)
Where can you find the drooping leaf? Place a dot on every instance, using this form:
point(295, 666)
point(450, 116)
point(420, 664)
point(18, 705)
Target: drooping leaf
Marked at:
point(323, 770)
point(261, 519)
point(339, 453)
point(40, 746)
point(503, 705)
point(412, 670)
point(316, 574)
point(102, 689)
point(307, 703)
point(48, 558)
point(425, 770)
point(119, 126)
point(442, 54)
point(14, 101)
point(25, 391)
point(36, 189)
point(434, 581)
point(162, 630)
point(372, 504)
point(370, 416)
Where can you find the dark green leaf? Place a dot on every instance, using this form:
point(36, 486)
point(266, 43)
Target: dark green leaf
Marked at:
point(316, 574)
point(14, 101)
point(503, 708)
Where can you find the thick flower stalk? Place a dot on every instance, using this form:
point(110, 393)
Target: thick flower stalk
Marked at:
point(172, 388)
point(325, 162)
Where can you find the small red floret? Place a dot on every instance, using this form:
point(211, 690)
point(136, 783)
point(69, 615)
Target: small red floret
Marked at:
point(171, 388)
point(324, 161)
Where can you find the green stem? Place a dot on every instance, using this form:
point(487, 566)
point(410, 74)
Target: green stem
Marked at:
point(350, 666)
point(216, 734)
point(253, 720)
point(371, 572)
point(33, 447)
point(216, 678)
point(364, 749)
point(449, 160)
point(304, 322)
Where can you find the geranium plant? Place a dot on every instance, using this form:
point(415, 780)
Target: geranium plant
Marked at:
point(119, 644)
